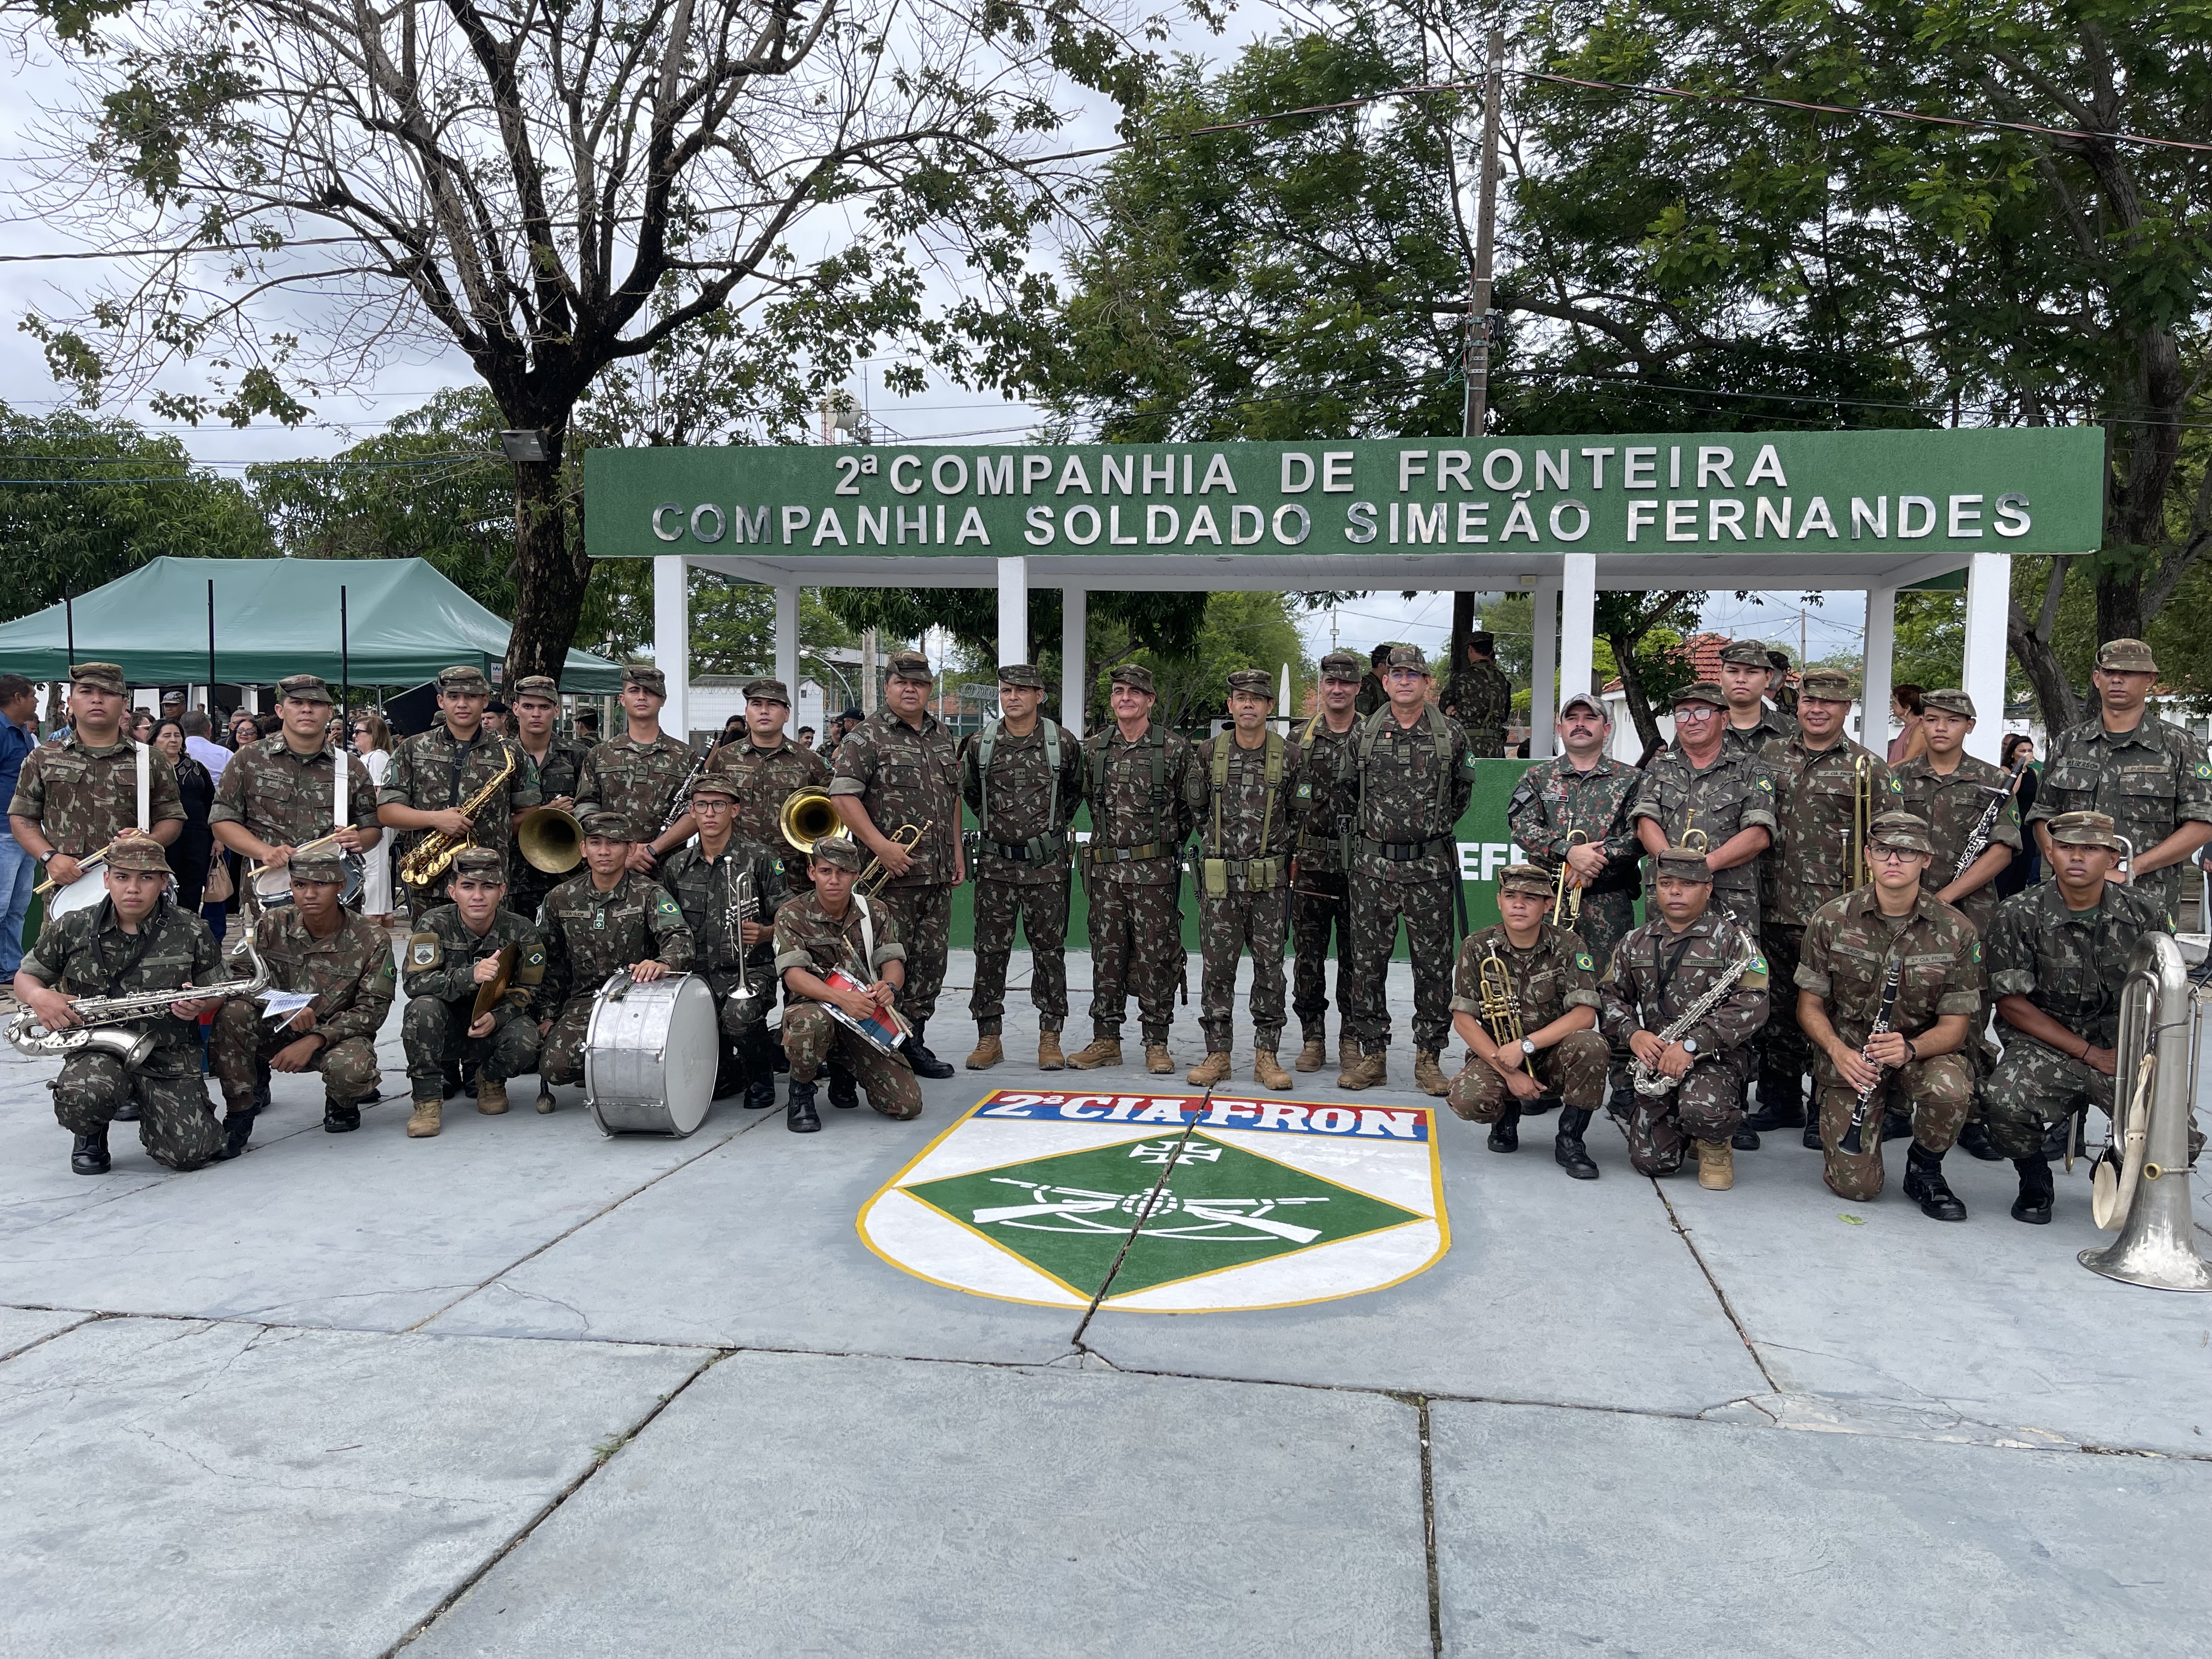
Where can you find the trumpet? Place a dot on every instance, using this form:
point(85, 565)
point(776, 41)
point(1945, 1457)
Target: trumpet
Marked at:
point(873, 878)
point(743, 906)
point(806, 816)
point(1854, 845)
point(95, 1015)
point(1703, 843)
point(1501, 1004)
point(433, 855)
point(1569, 898)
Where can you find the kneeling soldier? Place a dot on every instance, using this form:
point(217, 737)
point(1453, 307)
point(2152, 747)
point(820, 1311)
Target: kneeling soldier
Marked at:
point(1551, 980)
point(607, 919)
point(455, 951)
point(311, 944)
point(1890, 954)
point(828, 929)
point(134, 941)
point(1658, 973)
point(701, 876)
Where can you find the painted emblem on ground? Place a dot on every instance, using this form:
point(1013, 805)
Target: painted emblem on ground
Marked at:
point(1191, 1206)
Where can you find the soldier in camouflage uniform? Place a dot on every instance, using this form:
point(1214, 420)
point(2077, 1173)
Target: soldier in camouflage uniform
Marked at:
point(2149, 777)
point(78, 792)
point(1575, 810)
point(281, 794)
point(433, 772)
point(700, 877)
point(1753, 724)
point(1918, 1066)
point(1245, 782)
point(2058, 955)
point(1480, 698)
point(902, 766)
point(1661, 970)
point(640, 775)
point(767, 769)
point(832, 929)
point(1319, 904)
point(1407, 776)
point(454, 951)
point(1022, 777)
point(604, 919)
point(559, 761)
point(1371, 696)
point(1552, 980)
point(1699, 791)
point(310, 945)
point(135, 940)
point(1138, 781)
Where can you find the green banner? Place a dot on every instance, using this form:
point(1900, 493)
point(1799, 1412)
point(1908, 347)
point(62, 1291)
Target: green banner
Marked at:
point(2017, 489)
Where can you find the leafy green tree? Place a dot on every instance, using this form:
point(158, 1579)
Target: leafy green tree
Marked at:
point(1240, 630)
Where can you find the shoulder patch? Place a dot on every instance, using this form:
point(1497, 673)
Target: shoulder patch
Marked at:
point(1767, 784)
point(1758, 965)
point(423, 950)
point(666, 906)
point(1305, 792)
point(1586, 962)
point(2203, 771)
point(1896, 787)
point(1974, 951)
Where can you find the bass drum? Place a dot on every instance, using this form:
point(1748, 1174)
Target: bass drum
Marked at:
point(650, 1054)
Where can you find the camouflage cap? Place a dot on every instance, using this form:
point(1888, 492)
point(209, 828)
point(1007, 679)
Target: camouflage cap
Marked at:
point(142, 853)
point(2083, 829)
point(304, 688)
point(1256, 681)
point(538, 685)
point(168, 697)
point(100, 676)
point(1827, 685)
point(1483, 641)
point(847, 713)
point(1406, 656)
point(1021, 673)
point(2126, 657)
point(907, 665)
point(1134, 675)
point(1702, 691)
point(712, 784)
point(1746, 653)
point(768, 691)
point(1949, 700)
point(1684, 864)
point(480, 861)
point(645, 678)
point(1341, 665)
point(323, 864)
point(841, 851)
point(1901, 830)
point(465, 679)
point(1525, 879)
point(609, 825)
point(1582, 699)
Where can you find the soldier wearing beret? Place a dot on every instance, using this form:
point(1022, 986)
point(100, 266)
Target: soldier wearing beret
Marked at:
point(833, 930)
point(280, 794)
point(902, 766)
point(558, 760)
point(434, 772)
point(642, 775)
point(135, 940)
point(1320, 907)
point(1242, 787)
point(344, 963)
point(1893, 955)
point(80, 790)
point(453, 952)
point(2150, 778)
point(1662, 970)
point(1138, 781)
point(704, 877)
point(1574, 811)
point(1479, 697)
point(767, 769)
point(1746, 672)
point(2057, 956)
point(605, 919)
point(1549, 978)
point(1022, 777)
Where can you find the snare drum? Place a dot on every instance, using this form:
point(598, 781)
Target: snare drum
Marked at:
point(271, 884)
point(650, 1054)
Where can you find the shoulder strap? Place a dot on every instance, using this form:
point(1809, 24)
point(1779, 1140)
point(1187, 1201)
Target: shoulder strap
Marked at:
point(985, 744)
point(1052, 786)
point(145, 759)
point(867, 935)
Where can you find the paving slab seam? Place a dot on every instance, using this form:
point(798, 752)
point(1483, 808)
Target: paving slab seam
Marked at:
point(607, 1451)
point(1674, 1219)
point(1420, 1402)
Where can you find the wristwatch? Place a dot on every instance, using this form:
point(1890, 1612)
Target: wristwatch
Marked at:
point(1689, 1045)
point(45, 858)
point(1528, 1047)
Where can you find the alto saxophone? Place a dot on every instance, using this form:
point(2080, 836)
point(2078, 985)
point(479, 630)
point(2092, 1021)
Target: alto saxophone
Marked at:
point(1649, 1081)
point(433, 855)
point(96, 1015)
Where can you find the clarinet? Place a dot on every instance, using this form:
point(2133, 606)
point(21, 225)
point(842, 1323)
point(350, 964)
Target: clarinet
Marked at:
point(1853, 1140)
point(1978, 841)
point(682, 799)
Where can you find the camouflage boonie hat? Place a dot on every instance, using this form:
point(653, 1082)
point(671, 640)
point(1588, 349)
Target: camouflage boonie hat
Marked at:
point(101, 676)
point(1701, 691)
point(1903, 829)
point(1021, 673)
point(1583, 699)
point(141, 853)
point(609, 825)
point(709, 784)
point(2084, 829)
point(1406, 656)
point(1485, 643)
point(909, 666)
point(480, 861)
point(1341, 665)
point(1827, 685)
point(1525, 879)
point(1684, 864)
point(842, 851)
point(645, 679)
point(538, 685)
point(324, 864)
point(768, 691)
point(1134, 675)
point(1254, 680)
point(2126, 657)
point(1746, 653)
point(306, 688)
point(465, 679)
point(1950, 700)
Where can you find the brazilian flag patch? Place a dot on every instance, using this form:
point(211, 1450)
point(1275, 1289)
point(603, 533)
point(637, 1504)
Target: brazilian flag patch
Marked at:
point(1976, 951)
point(1305, 792)
point(1767, 784)
point(666, 906)
point(2204, 769)
point(1895, 787)
point(1758, 965)
point(1584, 961)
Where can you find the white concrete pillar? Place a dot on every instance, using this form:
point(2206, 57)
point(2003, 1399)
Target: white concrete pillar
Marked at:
point(671, 640)
point(1875, 683)
point(1074, 672)
point(1577, 624)
point(1989, 602)
point(787, 652)
point(1014, 609)
point(1543, 693)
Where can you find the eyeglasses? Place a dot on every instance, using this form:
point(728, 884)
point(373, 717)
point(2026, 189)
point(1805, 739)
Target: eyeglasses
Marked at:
point(1891, 854)
point(1694, 712)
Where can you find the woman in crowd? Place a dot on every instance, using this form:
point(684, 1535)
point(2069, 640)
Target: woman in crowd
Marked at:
point(193, 850)
point(244, 729)
point(1912, 743)
point(2017, 757)
point(141, 728)
point(372, 741)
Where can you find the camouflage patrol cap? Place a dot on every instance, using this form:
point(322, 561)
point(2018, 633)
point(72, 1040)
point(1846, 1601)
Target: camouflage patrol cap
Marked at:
point(100, 676)
point(1524, 879)
point(464, 679)
point(1341, 665)
point(481, 861)
point(323, 864)
point(1582, 699)
point(1827, 685)
point(2126, 657)
point(142, 853)
point(303, 688)
point(1684, 864)
point(1134, 675)
point(766, 690)
point(645, 678)
point(709, 784)
point(1746, 653)
point(2084, 829)
point(1950, 701)
point(1702, 691)
point(841, 851)
point(1256, 681)
point(1903, 829)
point(1483, 641)
point(538, 685)
point(1406, 656)
point(909, 666)
point(609, 825)
point(1021, 673)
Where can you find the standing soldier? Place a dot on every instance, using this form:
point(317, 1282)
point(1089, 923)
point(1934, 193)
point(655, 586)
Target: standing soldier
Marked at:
point(1407, 774)
point(1660, 972)
point(767, 768)
point(1022, 777)
point(1319, 906)
point(1779, 687)
point(640, 775)
point(434, 772)
point(1480, 698)
point(1574, 811)
point(1548, 979)
point(1371, 696)
point(344, 962)
point(1893, 955)
point(702, 877)
point(2149, 777)
point(900, 766)
point(453, 952)
point(1242, 786)
point(1752, 723)
point(560, 762)
point(832, 929)
point(1699, 793)
point(277, 795)
point(1139, 780)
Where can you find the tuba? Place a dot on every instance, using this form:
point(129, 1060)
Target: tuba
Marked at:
point(550, 840)
point(2141, 1184)
point(807, 815)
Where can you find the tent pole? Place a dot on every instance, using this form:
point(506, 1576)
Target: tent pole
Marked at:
point(68, 619)
point(210, 641)
point(346, 670)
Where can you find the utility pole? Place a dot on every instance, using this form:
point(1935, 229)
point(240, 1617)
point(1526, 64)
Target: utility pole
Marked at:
point(1475, 411)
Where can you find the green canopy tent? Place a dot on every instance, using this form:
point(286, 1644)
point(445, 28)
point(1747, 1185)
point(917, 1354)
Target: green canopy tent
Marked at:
point(270, 617)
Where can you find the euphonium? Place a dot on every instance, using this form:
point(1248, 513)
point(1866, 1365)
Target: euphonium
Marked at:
point(433, 855)
point(1501, 1004)
point(96, 1014)
point(871, 880)
point(550, 840)
point(808, 815)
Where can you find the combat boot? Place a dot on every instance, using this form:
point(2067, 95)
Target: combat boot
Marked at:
point(799, 1116)
point(1099, 1051)
point(1313, 1053)
point(1716, 1165)
point(89, 1153)
point(450, 1078)
point(1745, 1140)
point(1050, 1057)
point(1567, 1149)
point(1781, 1104)
point(1268, 1069)
point(1214, 1069)
point(491, 1094)
point(1811, 1136)
point(1925, 1185)
point(844, 1093)
point(1505, 1133)
point(425, 1120)
point(261, 1085)
point(1158, 1060)
point(987, 1051)
point(1365, 1068)
point(1347, 1047)
point(1974, 1142)
point(1428, 1076)
point(925, 1063)
point(2036, 1191)
point(340, 1117)
point(127, 1111)
point(237, 1130)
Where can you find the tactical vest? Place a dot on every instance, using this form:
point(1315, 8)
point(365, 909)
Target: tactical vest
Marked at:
point(1259, 874)
point(1159, 847)
point(1401, 852)
point(1038, 850)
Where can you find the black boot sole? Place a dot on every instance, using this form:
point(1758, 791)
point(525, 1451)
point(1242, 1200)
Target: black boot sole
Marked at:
point(86, 1167)
point(1745, 1140)
point(2035, 1215)
point(804, 1126)
point(1579, 1167)
point(1945, 1207)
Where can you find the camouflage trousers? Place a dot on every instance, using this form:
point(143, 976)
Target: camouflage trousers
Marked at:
point(1319, 910)
point(1377, 905)
point(1136, 949)
point(924, 915)
point(243, 1042)
point(434, 1032)
point(1227, 927)
point(561, 1051)
point(741, 1024)
point(811, 1040)
point(2034, 1087)
point(1785, 1053)
point(176, 1124)
point(1041, 909)
point(1939, 1093)
point(1606, 920)
point(1573, 1068)
point(1707, 1105)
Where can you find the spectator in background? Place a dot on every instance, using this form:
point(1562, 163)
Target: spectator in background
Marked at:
point(588, 727)
point(1912, 743)
point(1781, 693)
point(200, 744)
point(372, 741)
point(806, 736)
point(18, 871)
point(141, 726)
point(2017, 757)
point(734, 730)
point(244, 729)
point(495, 720)
point(193, 849)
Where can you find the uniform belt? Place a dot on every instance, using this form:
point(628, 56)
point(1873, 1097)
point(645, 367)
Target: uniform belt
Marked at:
point(1038, 850)
point(1405, 851)
point(1151, 849)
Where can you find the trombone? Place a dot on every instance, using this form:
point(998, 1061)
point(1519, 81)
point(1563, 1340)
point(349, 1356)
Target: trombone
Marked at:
point(1569, 899)
point(1501, 1005)
point(871, 880)
point(1855, 844)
